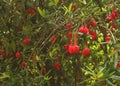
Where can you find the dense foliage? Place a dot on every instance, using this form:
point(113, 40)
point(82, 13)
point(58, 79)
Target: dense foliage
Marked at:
point(59, 42)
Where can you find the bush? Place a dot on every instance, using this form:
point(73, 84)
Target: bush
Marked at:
point(59, 42)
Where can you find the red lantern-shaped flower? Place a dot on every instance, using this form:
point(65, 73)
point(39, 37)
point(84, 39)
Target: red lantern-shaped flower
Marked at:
point(93, 23)
point(2, 52)
point(53, 39)
point(57, 66)
point(74, 7)
point(23, 64)
point(83, 29)
point(86, 52)
point(17, 55)
point(31, 11)
point(107, 39)
point(68, 25)
point(26, 41)
point(72, 49)
point(43, 71)
point(114, 14)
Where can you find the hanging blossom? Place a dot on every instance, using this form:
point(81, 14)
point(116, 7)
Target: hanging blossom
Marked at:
point(85, 52)
point(84, 29)
point(112, 16)
point(73, 48)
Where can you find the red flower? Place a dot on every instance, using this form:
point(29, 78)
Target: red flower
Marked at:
point(44, 71)
point(72, 49)
point(67, 47)
point(86, 52)
point(68, 25)
point(53, 38)
point(74, 7)
point(114, 14)
point(2, 52)
point(31, 11)
point(107, 39)
point(23, 64)
point(57, 66)
point(118, 64)
point(26, 41)
point(113, 27)
point(94, 37)
point(83, 29)
point(76, 49)
point(93, 34)
point(108, 19)
point(17, 55)
point(93, 23)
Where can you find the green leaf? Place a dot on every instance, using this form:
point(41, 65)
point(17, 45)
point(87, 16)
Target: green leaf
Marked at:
point(53, 52)
point(53, 3)
point(41, 12)
point(50, 3)
point(116, 59)
point(83, 2)
point(66, 9)
point(56, 2)
point(110, 83)
point(37, 58)
point(99, 75)
point(3, 76)
point(47, 78)
point(115, 77)
point(6, 45)
point(13, 46)
point(70, 7)
point(89, 72)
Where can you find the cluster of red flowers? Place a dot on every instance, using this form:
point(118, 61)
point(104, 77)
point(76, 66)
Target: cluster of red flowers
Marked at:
point(112, 19)
point(93, 23)
point(93, 34)
point(6, 55)
point(84, 29)
point(26, 41)
point(72, 49)
point(56, 66)
point(112, 16)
